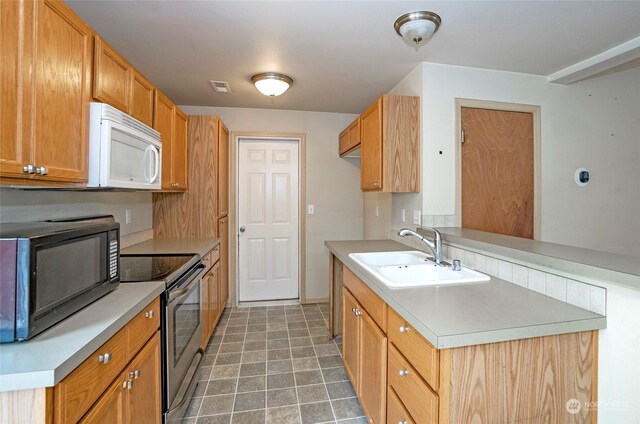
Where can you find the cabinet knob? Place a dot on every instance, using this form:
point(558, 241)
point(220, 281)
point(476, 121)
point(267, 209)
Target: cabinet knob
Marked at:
point(42, 170)
point(149, 314)
point(376, 184)
point(128, 384)
point(29, 169)
point(134, 375)
point(358, 312)
point(403, 373)
point(104, 358)
point(404, 329)
point(402, 422)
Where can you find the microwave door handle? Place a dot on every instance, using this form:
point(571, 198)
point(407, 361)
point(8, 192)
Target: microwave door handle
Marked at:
point(157, 163)
point(146, 163)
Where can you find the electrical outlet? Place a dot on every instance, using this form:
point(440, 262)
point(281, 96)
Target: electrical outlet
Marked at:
point(311, 209)
point(377, 211)
point(416, 217)
point(403, 215)
point(127, 216)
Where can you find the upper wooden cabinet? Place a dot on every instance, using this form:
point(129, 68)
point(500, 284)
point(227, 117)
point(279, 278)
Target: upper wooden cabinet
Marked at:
point(388, 134)
point(49, 44)
point(141, 100)
point(111, 76)
point(171, 123)
point(223, 170)
point(350, 139)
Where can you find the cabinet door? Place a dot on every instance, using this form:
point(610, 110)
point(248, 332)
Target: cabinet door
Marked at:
point(371, 140)
point(350, 330)
point(111, 76)
point(373, 369)
point(214, 297)
point(354, 134)
point(15, 85)
point(163, 123)
point(223, 233)
point(179, 151)
point(111, 407)
point(223, 170)
point(343, 141)
point(145, 401)
point(205, 308)
point(62, 85)
point(141, 101)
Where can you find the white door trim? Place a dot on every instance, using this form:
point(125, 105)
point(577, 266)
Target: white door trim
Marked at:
point(233, 206)
point(510, 107)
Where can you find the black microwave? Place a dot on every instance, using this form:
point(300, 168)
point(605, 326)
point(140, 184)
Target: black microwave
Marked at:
point(50, 270)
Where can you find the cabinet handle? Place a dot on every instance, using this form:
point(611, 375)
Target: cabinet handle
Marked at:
point(404, 329)
point(149, 314)
point(403, 373)
point(358, 312)
point(42, 170)
point(29, 169)
point(402, 422)
point(128, 384)
point(376, 184)
point(103, 359)
point(134, 375)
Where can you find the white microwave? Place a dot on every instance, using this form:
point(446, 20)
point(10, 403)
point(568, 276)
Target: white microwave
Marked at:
point(123, 152)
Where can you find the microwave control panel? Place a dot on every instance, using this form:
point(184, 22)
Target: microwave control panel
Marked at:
point(113, 254)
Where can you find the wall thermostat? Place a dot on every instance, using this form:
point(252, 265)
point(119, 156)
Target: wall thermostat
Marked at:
point(582, 176)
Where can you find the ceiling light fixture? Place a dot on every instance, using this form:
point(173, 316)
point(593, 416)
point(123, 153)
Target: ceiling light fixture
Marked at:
point(416, 28)
point(271, 83)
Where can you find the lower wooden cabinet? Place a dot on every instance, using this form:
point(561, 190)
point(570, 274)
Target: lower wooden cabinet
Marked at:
point(211, 309)
point(135, 396)
point(365, 357)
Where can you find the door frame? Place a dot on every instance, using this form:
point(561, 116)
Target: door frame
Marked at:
point(300, 138)
point(509, 107)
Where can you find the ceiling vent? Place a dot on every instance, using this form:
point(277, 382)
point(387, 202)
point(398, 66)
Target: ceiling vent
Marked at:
point(220, 86)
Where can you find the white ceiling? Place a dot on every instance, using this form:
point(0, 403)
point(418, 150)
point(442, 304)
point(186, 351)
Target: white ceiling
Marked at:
point(344, 54)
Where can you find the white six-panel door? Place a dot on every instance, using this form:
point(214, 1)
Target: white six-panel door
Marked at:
point(268, 219)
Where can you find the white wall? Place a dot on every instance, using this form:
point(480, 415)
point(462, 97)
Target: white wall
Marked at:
point(33, 205)
point(593, 124)
point(333, 184)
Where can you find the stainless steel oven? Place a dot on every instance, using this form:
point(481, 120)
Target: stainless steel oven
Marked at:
point(181, 327)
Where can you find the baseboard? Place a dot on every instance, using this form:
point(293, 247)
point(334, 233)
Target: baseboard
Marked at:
point(317, 300)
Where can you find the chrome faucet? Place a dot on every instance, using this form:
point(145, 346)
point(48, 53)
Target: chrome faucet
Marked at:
point(435, 246)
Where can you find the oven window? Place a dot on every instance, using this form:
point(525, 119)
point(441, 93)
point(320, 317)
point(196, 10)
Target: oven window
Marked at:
point(67, 270)
point(186, 321)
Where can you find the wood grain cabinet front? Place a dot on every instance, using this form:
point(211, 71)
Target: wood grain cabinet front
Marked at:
point(172, 125)
point(349, 139)
point(47, 44)
point(111, 76)
point(141, 98)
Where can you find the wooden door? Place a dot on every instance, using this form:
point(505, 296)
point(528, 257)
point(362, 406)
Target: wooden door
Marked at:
point(371, 147)
point(205, 308)
point(141, 101)
point(179, 156)
point(16, 44)
point(111, 407)
point(373, 369)
point(354, 134)
point(111, 76)
point(343, 142)
point(223, 170)
point(497, 171)
point(350, 334)
point(62, 85)
point(223, 233)
point(145, 397)
point(163, 123)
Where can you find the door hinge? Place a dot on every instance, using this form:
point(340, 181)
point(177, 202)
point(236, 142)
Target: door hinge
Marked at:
point(462, 136)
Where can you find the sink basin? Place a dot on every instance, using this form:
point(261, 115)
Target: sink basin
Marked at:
point(411, 269)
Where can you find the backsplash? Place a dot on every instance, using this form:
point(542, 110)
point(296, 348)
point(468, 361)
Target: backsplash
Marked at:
point(438, 221)
point(574, 292)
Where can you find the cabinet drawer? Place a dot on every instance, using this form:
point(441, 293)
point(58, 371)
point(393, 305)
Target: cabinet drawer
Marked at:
point(418, 351)
point(416, 395)
point(142, 327)
point(371, 302)
point(74, 395)
point(211, 257)
point(396, 412)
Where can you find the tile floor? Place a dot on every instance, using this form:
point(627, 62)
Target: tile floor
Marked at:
point(274, 365)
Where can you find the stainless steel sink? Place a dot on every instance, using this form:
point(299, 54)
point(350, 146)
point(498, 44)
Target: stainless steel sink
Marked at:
point(414, 269)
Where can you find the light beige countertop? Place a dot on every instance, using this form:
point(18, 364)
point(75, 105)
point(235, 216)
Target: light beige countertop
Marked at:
point(470, 314)
point(50, 356)
point(198, 246)
point(570, 260)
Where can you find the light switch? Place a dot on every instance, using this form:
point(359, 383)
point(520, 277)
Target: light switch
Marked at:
point(416, 217)
point(127, 216)
point(403, 215)
point(377, 211)
point(310, 209)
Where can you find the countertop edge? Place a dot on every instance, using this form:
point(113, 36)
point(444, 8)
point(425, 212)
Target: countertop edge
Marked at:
point(48, 378)
point(471, 338)
point(195, 245)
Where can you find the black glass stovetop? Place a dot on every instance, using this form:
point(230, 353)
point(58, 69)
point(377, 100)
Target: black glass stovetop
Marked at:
point(135, 268)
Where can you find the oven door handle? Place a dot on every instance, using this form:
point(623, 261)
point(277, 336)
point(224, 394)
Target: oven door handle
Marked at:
point(178, 293)
point(194, 380)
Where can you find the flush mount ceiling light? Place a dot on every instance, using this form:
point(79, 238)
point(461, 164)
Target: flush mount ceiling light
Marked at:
point(416, 28)
point(271, 83)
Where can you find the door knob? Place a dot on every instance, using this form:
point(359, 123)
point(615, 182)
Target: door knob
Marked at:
point(243, 229)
